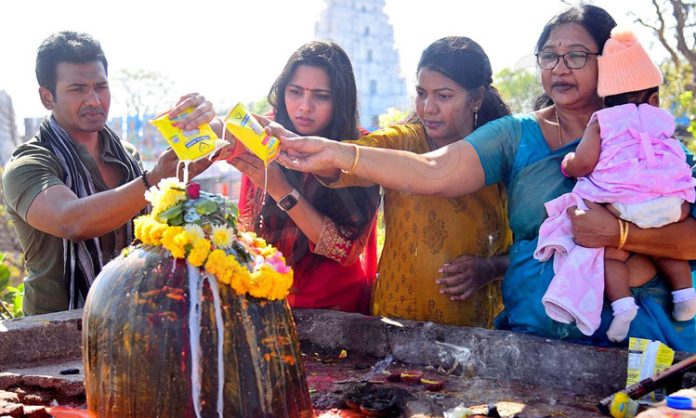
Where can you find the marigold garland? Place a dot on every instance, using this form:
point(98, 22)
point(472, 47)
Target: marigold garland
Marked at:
point(202, 231)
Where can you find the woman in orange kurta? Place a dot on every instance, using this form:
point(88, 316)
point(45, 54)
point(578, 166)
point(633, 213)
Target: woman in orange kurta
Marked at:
point(433, 245)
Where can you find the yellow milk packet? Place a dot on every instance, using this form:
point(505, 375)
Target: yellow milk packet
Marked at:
point(189, 145)
point(647, 358)
point(247, 129)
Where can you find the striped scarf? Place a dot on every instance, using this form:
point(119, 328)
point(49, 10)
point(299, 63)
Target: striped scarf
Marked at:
point(83, 260)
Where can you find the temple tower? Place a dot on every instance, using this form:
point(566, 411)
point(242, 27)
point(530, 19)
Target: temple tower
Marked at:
point(362, 28)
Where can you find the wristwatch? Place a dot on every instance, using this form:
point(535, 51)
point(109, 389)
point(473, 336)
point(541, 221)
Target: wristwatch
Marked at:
point(289, 201)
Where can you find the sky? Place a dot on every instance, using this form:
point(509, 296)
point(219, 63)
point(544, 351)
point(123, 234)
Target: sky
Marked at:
point(232, 50)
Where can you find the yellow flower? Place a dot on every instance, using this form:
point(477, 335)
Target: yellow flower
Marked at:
point(267, 252)
point(195, 231)
point(148, 231)
point(281, 283)
point(261, 282)
point(168, 193)
point(199, 252)
point(167, 199)
point(239, 275)
point(169, 241)
point(156, 232)
point(216, 263)
point(281, 286)
point(138, 224)
point(183, 238)
point(259, 242)
point(271, 278)
point(222, 236)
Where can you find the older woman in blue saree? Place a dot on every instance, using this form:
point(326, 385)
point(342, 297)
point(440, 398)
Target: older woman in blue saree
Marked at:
point(524, 153)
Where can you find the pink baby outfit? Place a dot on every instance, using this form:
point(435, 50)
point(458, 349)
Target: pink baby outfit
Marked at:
point(639, 161)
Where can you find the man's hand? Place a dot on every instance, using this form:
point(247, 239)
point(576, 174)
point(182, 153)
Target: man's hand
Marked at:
point(168, 165)
point(203, 111)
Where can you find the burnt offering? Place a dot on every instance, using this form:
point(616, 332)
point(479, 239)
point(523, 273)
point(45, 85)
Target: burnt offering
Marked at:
point(375, 401)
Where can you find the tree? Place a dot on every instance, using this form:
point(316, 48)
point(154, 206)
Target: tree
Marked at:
point(393, 116)
point(674, 26)
point(676, 34)
point(146, 92)
point(677, 97)
point(260, 107)
point(518, 88)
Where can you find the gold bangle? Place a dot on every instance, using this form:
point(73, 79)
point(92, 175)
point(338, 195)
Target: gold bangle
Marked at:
point(355, 161)
point(623, 233)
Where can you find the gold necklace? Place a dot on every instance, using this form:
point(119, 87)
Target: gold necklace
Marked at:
point(558, 125)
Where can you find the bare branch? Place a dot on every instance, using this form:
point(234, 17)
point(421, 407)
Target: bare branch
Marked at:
point(647, 25)
point(660, 32)
point(680, 12)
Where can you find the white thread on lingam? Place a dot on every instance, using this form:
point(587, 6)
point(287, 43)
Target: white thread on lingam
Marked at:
point(195, 287)
point(217, 304)
point(196, 291)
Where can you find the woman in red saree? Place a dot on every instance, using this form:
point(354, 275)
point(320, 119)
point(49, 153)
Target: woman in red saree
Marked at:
point(326, 235)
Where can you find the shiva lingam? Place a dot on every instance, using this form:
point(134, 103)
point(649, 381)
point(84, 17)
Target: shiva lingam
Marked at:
point(193, 321)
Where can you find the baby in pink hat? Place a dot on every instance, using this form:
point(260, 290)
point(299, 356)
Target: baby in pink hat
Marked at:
point(629, 160)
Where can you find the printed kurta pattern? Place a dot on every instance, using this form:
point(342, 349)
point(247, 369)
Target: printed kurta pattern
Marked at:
point(423, 233)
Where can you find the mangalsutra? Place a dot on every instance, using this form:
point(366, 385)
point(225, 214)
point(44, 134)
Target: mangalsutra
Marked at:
point(558, 124)
point(431, 143)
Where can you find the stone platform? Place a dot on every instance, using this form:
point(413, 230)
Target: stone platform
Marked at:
point(530, 376)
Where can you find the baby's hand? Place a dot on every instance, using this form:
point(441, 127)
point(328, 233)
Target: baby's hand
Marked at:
point(685, 211)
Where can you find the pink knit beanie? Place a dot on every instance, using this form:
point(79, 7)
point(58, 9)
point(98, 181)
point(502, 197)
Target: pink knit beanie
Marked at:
point(624, 66)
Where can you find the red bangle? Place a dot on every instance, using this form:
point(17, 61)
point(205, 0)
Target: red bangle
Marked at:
point(566, 158)
point(563, 171)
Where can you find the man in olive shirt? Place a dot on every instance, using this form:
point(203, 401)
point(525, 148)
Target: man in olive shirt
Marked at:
point(73, 189)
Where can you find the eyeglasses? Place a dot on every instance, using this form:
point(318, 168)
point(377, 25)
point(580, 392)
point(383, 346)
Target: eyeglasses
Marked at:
point(574, 60)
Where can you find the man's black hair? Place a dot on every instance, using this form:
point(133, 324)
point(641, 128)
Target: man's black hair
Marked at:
point(66, 46)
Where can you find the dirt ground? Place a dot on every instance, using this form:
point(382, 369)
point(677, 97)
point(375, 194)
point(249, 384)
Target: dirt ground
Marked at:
point(333, 381)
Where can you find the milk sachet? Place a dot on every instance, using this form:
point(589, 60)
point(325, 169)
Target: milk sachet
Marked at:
point(249, 132)
point(191, 145)
point(647, 358)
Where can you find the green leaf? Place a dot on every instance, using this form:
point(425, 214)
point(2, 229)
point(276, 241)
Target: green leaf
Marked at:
point(206, 206)
point(178, 220)
point(172, 213)
point(17, 306)
point(4, 277)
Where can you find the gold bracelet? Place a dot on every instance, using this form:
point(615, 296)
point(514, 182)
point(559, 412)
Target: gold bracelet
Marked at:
point(623, 233)
point(355, 161)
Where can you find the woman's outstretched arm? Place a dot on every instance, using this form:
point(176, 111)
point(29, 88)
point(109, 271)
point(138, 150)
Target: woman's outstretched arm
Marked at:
point(451, 171)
